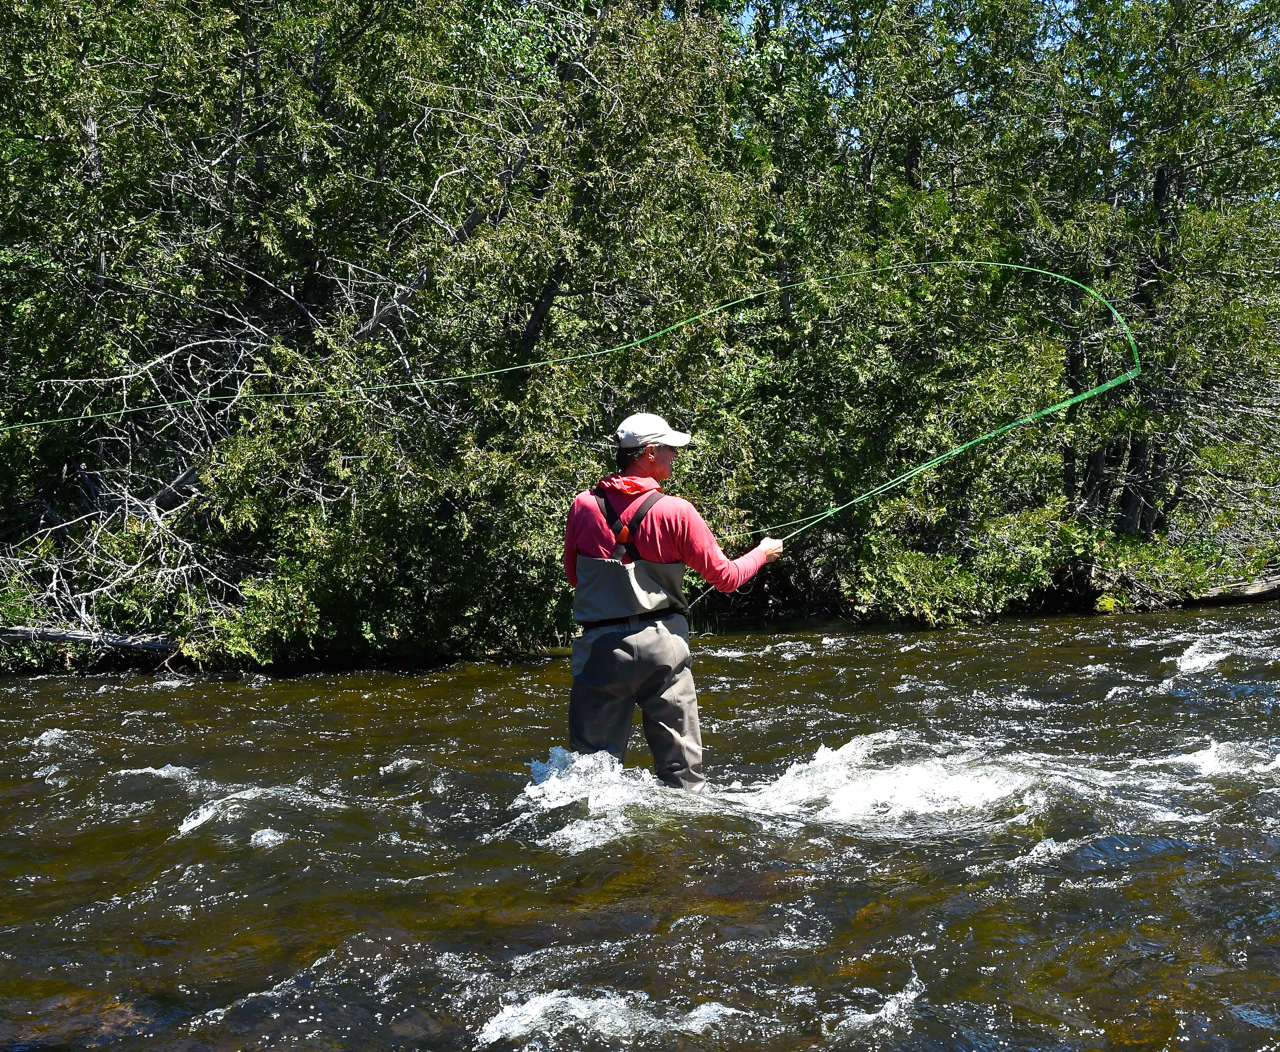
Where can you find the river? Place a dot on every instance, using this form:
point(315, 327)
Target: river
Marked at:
point(1060, 833)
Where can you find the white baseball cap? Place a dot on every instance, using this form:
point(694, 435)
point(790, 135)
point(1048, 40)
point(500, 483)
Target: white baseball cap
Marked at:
point(644, 429)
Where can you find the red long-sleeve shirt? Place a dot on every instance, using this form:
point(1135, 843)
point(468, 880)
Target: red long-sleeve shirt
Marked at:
point(672, 532)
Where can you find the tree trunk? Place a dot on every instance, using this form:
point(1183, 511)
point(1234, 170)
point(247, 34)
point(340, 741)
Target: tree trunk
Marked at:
point(91, 170)
point(1075, 384)
point(1263, 590)
point(64, 635)
point(1153, 516)
point(1134, 493)
point(1099, 478)
point(541, 308)
point(911, 163)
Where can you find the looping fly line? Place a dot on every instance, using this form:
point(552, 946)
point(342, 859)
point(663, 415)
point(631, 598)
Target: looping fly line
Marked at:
point(809, 521)
point(801, 524)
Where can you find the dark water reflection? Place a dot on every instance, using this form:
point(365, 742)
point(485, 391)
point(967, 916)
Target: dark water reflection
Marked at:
point(1059, 834)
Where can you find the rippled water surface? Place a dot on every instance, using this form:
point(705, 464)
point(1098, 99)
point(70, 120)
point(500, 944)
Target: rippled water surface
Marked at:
point(1055, 834)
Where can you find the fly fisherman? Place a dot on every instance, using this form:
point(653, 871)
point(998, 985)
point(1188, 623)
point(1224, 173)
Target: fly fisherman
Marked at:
point(626, 546)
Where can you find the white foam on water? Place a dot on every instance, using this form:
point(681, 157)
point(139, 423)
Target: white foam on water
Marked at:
point(609, 1016)
point(52, 740)
point(231, 805)
point(551, 1014)
point(849, 786)
point(1042, 852)
point(1219, 759)
point(933, 787)
point(808, 786)
point(50, 774)
point(896, 1011)
point(788, 649)
point(405, 763)
point(1203, 650)
point(784, 943)
point(1050, 848)
point(609, 790)
point(1019, 700)
point(1199, 656)
point(587, 833)
point(215, 808)
point(1174, 788)
point(179, 774)
point(709, 1014)
point(599, 778)
point(891, 784)
point(267, 838)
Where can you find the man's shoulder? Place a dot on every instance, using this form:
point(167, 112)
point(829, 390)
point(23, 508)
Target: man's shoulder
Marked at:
point(676, 507)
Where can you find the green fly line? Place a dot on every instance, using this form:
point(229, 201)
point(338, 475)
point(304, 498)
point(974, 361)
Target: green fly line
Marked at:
point(809, 521)
point(801, 524)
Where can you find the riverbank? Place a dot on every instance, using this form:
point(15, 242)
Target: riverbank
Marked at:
point(25, 649)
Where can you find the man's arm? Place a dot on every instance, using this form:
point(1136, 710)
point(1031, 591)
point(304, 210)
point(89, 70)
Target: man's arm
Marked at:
point(703, 554)
point(571, 546)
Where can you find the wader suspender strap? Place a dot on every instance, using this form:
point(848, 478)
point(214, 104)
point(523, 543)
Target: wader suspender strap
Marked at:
point(626, 535)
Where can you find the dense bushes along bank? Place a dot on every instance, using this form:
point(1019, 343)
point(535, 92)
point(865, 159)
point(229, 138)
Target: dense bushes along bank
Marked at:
point(264, 198)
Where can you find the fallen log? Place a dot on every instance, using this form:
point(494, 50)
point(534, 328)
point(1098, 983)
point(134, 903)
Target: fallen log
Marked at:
point(1259, 591)
point(19, 634)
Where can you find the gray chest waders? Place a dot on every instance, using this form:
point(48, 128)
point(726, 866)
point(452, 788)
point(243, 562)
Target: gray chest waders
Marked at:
point(639, 658)
point(634, 652)
point(611, 592)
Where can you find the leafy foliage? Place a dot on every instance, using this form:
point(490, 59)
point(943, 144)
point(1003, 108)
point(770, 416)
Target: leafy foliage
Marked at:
point(270, 230)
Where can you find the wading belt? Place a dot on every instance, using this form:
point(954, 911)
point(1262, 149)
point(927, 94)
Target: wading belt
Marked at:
point(624, 535)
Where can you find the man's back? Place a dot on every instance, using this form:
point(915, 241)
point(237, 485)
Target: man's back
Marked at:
point(672, 532)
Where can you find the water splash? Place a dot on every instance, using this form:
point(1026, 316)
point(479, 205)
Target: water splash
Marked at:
point(168, 771)
point(895, 1014)
point(1203, 654)
point(266, 839)
point(609, 1016)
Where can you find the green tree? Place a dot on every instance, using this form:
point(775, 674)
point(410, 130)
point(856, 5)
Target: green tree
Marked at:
point(269, 231)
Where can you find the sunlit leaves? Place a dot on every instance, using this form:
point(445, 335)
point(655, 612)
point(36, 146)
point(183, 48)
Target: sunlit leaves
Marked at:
point(263, 178)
